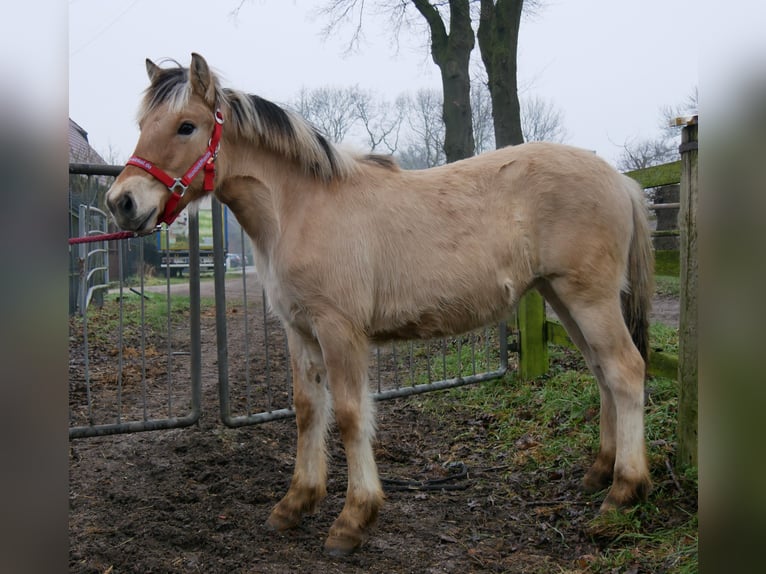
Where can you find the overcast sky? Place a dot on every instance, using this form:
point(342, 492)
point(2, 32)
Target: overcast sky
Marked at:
point(608, 65)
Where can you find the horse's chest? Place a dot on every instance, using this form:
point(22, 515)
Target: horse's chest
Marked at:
point(285, 306)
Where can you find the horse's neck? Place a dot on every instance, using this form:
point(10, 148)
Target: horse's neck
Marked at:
point(252, 203)
point(253, 187)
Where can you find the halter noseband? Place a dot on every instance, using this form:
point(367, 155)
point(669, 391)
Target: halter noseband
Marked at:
point(178, 185)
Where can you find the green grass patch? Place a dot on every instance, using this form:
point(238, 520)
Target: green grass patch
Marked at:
point(539, 427)
point(150, 312)
point(631, 545)
point(668, 286)
point(663, 338)
point(667, 262)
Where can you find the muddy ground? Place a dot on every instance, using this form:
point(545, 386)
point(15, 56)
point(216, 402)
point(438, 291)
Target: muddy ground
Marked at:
point(196, 499)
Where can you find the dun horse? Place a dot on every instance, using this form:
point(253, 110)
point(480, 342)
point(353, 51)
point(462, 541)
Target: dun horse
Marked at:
point(351, 250)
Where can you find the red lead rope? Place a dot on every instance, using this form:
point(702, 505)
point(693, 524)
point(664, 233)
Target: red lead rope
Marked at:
point(206, 161)
point(103, 237)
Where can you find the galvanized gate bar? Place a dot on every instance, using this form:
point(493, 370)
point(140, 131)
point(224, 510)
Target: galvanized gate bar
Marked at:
point(456, 381)
point(147, 420)
point(219, 275)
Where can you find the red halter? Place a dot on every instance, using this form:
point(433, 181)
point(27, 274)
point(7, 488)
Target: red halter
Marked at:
point(174, 184)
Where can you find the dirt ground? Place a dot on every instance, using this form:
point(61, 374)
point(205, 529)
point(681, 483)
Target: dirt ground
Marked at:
point(196, 499)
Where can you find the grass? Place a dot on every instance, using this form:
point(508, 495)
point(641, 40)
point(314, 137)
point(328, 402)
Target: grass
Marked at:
point(667, 263)
point(154, 278)
point(667, 285)
point(560, 412)
point(104, 322)
point(664, 338)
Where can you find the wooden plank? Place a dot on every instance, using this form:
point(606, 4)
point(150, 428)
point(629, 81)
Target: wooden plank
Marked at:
point(533, 347)
point(657, 175)
point(688, 316)
point(557, 335)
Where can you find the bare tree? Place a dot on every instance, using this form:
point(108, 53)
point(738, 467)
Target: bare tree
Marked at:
point(382, 121)
point(541, 121)
point(481, 108)
point(332, 110)
point(451, 40)
point(452, 53)
point(498, 31)
point(498, 36)
point(642, 153)
point(668, 114)
point(424, 142)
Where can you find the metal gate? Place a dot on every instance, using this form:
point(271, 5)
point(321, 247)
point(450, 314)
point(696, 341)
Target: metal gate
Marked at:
point(253, 362)
point(135, 354)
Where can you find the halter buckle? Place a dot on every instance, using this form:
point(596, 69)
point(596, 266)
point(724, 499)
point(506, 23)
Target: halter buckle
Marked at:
point(178, 184)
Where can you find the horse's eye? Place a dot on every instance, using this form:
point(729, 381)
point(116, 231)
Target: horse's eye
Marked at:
point(186, 129)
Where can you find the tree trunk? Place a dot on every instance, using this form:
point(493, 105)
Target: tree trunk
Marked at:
point(452, 52)
point(498, 42)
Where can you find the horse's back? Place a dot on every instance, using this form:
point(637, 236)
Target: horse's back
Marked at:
point(433, 252)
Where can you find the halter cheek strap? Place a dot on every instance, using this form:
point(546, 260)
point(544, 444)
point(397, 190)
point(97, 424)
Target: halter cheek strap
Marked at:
point(178, 185)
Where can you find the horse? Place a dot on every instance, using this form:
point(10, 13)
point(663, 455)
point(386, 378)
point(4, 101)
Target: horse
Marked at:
point(352, 250)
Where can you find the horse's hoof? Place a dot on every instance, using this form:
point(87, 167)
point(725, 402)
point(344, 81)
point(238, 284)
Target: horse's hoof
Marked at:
point(594, 482)
point(341, 546)
point(624, 494)
point(278, 522)
point(599, 475)
point(608, 506)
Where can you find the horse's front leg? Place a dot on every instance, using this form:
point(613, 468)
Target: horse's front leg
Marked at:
point(312, 407)
point(346, 358)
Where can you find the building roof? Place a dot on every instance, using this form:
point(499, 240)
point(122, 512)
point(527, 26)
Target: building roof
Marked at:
point(79, 148)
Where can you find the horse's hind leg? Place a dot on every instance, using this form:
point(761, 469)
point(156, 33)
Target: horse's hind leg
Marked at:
point(312, 407)
point(613, 357)
point(599, 476)
point(346, 357)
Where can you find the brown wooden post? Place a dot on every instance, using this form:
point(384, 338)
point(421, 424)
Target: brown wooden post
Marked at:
point(688, 317)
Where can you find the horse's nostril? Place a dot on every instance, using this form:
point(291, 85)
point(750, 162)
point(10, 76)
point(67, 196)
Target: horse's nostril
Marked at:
point(126, 204)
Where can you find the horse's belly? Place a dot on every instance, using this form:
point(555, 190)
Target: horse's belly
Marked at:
point(438, 322)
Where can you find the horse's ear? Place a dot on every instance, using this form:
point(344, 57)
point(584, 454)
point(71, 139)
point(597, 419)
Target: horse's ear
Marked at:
point(202, 81)
point(152, 69)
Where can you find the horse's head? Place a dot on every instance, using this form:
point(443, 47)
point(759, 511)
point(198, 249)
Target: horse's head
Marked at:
point(178, 120)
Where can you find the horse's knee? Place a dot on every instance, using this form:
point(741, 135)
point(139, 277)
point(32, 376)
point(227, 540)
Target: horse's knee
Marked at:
point(348, 420)
point(355, 418)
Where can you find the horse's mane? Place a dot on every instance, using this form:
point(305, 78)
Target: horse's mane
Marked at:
point(258, 120)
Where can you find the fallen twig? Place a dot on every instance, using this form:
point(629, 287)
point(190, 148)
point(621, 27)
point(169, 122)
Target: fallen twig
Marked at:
point(673, 475)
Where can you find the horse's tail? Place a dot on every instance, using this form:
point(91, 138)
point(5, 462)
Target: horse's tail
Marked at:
point(637, 296)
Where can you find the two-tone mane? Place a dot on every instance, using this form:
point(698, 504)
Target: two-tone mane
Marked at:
point(265, 123)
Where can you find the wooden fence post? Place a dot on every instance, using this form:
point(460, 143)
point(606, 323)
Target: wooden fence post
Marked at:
point(688, 316)
point(533, 343)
